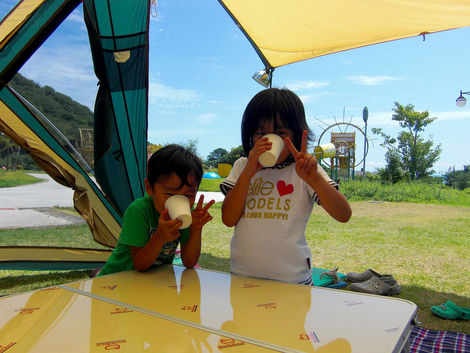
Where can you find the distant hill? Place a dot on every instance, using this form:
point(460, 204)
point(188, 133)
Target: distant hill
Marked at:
point(66, 114)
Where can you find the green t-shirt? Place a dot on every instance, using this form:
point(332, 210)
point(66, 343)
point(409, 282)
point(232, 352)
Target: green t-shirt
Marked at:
point(139, 223)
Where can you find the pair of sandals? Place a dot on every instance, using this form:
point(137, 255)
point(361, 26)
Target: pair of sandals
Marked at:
point(451, 311)
point(372, 282)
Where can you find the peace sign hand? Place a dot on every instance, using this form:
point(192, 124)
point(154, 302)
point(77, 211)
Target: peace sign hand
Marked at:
point(305, 163)
point(200, 214)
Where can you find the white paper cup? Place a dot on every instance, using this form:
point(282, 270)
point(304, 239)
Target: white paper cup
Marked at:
point(269, 158)
point(178, 208)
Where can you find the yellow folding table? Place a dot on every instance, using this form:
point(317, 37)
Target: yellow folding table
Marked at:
point(173, 309)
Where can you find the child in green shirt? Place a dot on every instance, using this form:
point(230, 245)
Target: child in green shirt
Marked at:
point(148, 235)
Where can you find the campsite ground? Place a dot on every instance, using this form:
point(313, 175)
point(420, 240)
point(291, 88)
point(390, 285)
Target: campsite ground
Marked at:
point(39, 204)
point(425, 246)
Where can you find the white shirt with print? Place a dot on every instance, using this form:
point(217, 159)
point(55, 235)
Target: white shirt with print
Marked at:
point(269, 238)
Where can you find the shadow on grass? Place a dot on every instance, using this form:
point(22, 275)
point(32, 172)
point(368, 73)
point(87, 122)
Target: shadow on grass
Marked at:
point(211, 262)
point(33, 281)
point(424, 298)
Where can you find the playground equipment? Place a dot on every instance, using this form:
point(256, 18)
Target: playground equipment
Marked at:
point(211, 175)
point(341, 154)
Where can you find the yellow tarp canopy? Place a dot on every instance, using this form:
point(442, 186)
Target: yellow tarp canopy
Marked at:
point(16, 18)
point(286, 31)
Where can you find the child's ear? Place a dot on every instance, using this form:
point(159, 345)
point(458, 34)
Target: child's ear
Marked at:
point(148, 187)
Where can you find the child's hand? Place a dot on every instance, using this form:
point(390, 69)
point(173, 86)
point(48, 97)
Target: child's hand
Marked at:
point(200, 215)
point(167, 229)
point(261, 146)
point(305, 163)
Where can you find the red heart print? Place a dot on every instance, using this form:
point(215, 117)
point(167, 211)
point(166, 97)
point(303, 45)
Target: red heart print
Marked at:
point(284, 189)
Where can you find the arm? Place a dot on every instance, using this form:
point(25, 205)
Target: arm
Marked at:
point(306, 167)
point(234, 201)
point(331, 199)
point(191, 250)
point(167, 230)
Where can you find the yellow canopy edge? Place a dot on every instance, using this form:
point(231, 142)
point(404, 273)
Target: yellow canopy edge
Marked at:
point(16, 18)
point(285, 31)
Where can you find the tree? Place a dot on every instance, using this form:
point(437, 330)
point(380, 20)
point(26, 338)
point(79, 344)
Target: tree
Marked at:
point(233, 155)
point(393, 172)
point(190, 145)
point(416, 155)
point(458, 179)
point(152, 148)
point(214, 157)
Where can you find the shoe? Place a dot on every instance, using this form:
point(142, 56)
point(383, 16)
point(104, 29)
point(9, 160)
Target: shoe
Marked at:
point(451, 311)
point(385, 285)
point(325, 278)
point(333, 274)
point(364, 276)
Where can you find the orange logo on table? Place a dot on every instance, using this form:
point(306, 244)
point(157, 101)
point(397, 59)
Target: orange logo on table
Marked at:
point(121, 311)
point(27, 310)
point(228, 343)
point(110, 287)
point(176, 286)
point(192, 308)
point(268, 305)
point(111, 344)
point(250, 285)
point(306, 337)
point(8, 346)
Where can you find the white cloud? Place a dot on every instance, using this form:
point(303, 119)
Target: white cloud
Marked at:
point(205, 118)
point(381, 119)
point(166, 96)
point(76, 16)
point(307, 98)
point(178, 135)
point(303, 85)
point(373, 165)
point(371, 80)
point(67, 71)
point(452, 115)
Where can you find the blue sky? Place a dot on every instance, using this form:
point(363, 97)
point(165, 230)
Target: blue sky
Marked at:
point(200, 80)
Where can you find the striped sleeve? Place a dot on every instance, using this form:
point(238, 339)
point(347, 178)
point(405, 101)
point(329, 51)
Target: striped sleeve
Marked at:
point(232, 177)
point(226, 186)
point(330, 181)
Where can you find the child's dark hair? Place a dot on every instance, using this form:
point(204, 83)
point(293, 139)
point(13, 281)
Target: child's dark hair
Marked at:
point(266, 106)
point(174, 159)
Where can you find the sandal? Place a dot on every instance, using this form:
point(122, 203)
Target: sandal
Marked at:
point(375, 285)
point(451, 311)
point(325, 278)
point(332, 274)
point(364, 276)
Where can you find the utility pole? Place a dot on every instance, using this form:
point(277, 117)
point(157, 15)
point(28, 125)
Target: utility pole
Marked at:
point(365, 117)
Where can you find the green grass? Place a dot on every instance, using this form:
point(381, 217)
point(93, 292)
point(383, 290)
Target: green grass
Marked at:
point(210, 184)
point(425, 247)
point(356, 190)
point(9, 179)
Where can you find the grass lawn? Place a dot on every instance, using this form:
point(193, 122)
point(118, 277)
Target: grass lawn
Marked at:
point(425, 247)
point(9, 179)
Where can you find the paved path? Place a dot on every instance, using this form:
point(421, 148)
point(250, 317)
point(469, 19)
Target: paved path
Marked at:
point(32, 205)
